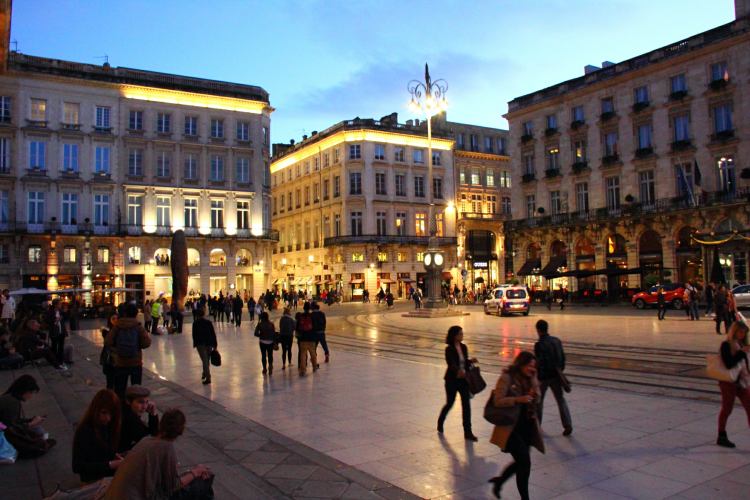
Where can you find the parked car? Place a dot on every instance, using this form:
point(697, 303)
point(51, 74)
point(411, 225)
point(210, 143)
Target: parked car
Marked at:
point(508, 300)
point(741, 295)
point(673, 296)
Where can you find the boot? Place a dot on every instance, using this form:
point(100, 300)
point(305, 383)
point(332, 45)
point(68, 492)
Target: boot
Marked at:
point(724, 441)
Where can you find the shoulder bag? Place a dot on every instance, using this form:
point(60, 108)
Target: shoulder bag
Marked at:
point(500, 415)
point(717, 370)
point(475, 380)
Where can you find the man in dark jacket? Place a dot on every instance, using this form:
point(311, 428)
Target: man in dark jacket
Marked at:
point(550, 363)
point(319, 327)
point(126, 342)
point(133, 428)
point(237, 304)
point(305, 340)
point(204, 340)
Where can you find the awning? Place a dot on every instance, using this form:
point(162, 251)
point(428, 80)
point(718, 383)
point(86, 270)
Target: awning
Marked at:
point(528, 267)
point(406, 280)
point(356, 282)
point(386, 281)
point(479, 280)
point(320, 283)
point(555, 262)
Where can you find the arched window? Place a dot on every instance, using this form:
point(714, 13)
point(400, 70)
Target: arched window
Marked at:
point(616, 245)
point(244, 257)
point(134, 255)
point(194, 257)
point(585, 247)
point(685, 239)
point(533, 251)
point(558, 249)
point(218, 257)
point(162, 256)
point(650, 243)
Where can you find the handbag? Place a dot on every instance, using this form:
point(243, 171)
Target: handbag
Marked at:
point(564, 382)
point(8, 453)
point(717, 370)
point(500, 415)
point(475, 380)
point(215, 357)
point(25, 441)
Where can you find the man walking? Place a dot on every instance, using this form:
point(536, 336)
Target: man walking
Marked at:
point(237, 312)
point(319, 327)
point(306, 340)
point(550, 359)
point(204, 340)
point(126, 342)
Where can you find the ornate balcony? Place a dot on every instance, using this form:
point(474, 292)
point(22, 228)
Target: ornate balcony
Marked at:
point(386, 239)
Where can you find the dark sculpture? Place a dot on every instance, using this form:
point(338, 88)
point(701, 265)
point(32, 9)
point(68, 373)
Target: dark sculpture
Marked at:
point(179, 265)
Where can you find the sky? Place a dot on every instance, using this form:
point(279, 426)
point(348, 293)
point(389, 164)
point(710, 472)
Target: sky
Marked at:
point(327, 61)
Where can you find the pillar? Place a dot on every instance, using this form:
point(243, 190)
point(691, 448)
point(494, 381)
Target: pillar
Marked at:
point(634, 280)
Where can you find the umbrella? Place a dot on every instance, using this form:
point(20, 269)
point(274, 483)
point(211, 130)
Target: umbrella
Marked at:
point(717, 272)
point(63, 291)
point(118, 290)
point(31, 291)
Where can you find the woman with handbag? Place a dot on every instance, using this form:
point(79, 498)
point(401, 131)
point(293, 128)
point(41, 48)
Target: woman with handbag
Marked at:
point(457, 358)
point(517, 393)
point(733, 353)
point(204, 340)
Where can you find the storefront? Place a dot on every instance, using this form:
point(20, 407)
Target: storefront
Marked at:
point(384, 282)
point(530, 272)
point(404, 284)
point(617, 261)
point(688, 257)
point(650, 258)
point(585, 264)
point(481, 259)
point(557, 265)
point(357, 284)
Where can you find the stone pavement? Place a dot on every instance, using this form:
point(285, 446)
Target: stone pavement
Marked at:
point(378, 415)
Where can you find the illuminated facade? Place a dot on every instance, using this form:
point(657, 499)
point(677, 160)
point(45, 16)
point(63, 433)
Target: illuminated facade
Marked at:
point(99, 165)
point(350, 205)
point(618, 172)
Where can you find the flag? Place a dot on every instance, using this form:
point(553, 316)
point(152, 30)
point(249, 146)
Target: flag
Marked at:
point(697, 177)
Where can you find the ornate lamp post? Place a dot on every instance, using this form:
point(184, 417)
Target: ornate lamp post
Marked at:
point(428, 97)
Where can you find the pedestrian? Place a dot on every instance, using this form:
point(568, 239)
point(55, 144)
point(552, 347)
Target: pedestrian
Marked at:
point(56, 329)
point(319, 328)
point(661, 303)
point(709, 293)
point(286, 337)
point(734, 351)
point(204, 340)
point(721, 309)
point(177, 317)
point(133, 429)
point(457, 359)
point(258, 308)
point(97, 438)
point(563, 296)
point(266, 333)
point(220, 308)
point(693, 304)
point(155, 315)
point(105, 356)
point(126, 341)
point(237, 310)
point(305, 340)
point(549, 299)
point(8, 308)
point(550, 359)
point(251, 308)
point(518, 388)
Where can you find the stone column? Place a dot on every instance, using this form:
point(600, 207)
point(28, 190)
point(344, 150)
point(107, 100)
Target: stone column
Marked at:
point(634, 280)
point(669, 259)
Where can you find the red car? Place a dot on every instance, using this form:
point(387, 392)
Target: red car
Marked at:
point(672, 296)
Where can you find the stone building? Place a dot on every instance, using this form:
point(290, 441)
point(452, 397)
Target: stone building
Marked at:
point(351, 207)
point(623, 173)
point(99, 165)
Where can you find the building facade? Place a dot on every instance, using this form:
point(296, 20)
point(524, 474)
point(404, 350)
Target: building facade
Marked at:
point(351, 205)
point(628, 175)
point(100, 165)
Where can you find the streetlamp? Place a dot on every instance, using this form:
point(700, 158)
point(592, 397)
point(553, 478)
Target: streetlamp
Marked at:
point(428, 97)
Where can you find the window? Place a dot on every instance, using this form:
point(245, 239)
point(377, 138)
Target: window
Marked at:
point(101, 159)
point(439, 225)
point(727, 178)
point(719, 71)
point(217, 214)
point(418, 156)
point(610, 144)
point(530, 205)
point(553, 158)
point(681, 126)
point(307, 195)
point(400, 223)
point(528, 164)
point(355, 151)
point(380, 223)
point(579, 151)
point(502, 146)
point(460, 141)
point(678, 83)
point(555, 203)
point(191, 212)
point(355, 183)
point(646, 187)
point(380, 187)
point(476, 203)
point(419, 186)
point(37, 154)
point(135, 119)
point(582, 197)
point(217, 168)
point(684, 179)
point(69, 255)
point(243, 131)
point(163, 123)
point(528, 128)
point(69, 209)
point(102, 255)
point(644, 136)
point(265, 136)
point(282, 204)
point(551, 122)
point(491, 203)
point(326, 188)
point(134, 255)
point(475, 179)
point(577, 114)
point(36, 207)
point(337, 224)
point(400, 185)
point(191, 167)
point(162, 164)
point(420, 219)
point(70, 158)
point(506, 205)
point(723, 118)
point(163, 211)
point(488, 145)
point(356, 223)
point(243, 215)
point(191, 126)
point(640, 95)
point(35, 254)
point(420, 256)
point(608, 105)
point(5, 109)
point(613, 193)
point(402, 256)
point(490, 176)
point(437, 188)
point(326, 161)
point(504, 179)
point(102, 117)
point(398, 154)
point(71, 112)
point(135, 210)
point(298, 198)
point(336, 186)
point(39, 110)
point(4, 207)
point(462, 176)
point(379, 152)
point(101, 209)
point(336, 155)
point(243, 170)
point(307, 166)
point(474, 142)
point(217, 128)
point(358, 257)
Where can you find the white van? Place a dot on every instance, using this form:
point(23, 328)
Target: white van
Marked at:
point(508, 300)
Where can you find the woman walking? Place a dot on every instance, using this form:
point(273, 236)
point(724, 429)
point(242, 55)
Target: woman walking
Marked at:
point(733, 352)
point(266, 333)
point(457, 358)
point(518, 389)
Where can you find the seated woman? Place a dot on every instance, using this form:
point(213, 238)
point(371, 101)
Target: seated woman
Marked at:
point(25, 434)
point(135, 405)
point(9, 358)
point(97, 437)
point(150, 469)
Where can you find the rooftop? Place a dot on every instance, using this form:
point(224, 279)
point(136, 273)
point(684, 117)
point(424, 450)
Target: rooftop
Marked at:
point(119, 75)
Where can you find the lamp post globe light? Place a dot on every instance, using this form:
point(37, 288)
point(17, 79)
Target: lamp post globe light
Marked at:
point(428, 97)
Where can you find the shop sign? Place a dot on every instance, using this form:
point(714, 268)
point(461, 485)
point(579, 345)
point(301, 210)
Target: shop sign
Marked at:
point(480, 265)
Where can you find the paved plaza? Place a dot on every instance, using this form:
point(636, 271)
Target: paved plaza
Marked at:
point(376, 411)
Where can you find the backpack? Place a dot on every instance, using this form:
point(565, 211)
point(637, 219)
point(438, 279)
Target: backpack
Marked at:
point(127, 343)
point(305, 323)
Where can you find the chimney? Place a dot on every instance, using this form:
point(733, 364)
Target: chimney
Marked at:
point(6, 8)
point(607, 64)
point(741, 8)
point(304, 137)
point(409, 123)
point(590, 68)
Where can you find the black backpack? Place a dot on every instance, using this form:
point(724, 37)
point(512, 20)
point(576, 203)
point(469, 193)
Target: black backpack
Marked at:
point(127, 342)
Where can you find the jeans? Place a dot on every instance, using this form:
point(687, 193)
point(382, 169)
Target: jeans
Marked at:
point(722, 315)
point(204, 351)
point(451, 388)
point(286, 350)
point(562, 405)
point(694, 314)
point(305, 348)
point(121, 374)
point(154, 325)
point(709, 306)
point(322, 341)
point(662, 311)
point(521, 465)
point(730, 391)
point(57, 344)
point(238, 317)
point(266, 355)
